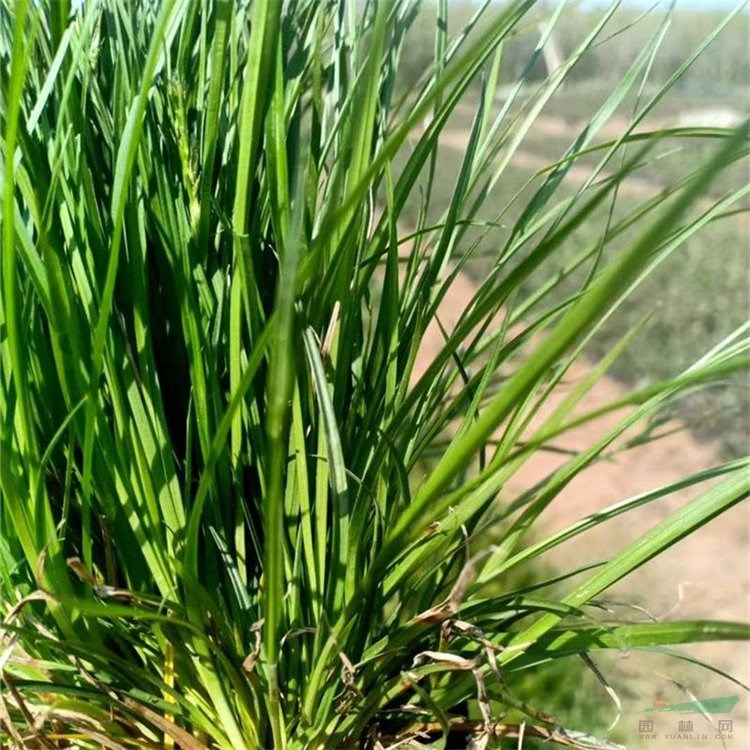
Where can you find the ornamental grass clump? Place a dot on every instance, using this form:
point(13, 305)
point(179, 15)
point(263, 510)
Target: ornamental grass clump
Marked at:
point(225, 523)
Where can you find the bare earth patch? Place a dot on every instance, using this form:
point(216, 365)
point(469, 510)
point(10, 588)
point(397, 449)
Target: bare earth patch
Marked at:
point(706, 576)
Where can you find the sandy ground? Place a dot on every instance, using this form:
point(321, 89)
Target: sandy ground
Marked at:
point(707, 575)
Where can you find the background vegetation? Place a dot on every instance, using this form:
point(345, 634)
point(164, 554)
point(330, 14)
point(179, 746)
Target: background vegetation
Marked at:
point(719, 76)
point(692, 299)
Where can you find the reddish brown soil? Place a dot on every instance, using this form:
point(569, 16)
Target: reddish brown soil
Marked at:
point(707, 575)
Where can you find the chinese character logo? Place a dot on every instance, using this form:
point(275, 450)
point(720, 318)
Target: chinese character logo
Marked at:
point(685, 726)
point(646, 726)
point(725, 725)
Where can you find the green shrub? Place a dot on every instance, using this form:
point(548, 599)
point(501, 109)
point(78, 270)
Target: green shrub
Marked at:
point(225, 521)
point(721, 75)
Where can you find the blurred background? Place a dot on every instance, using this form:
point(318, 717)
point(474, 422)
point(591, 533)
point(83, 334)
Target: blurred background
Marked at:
point(689, 304)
